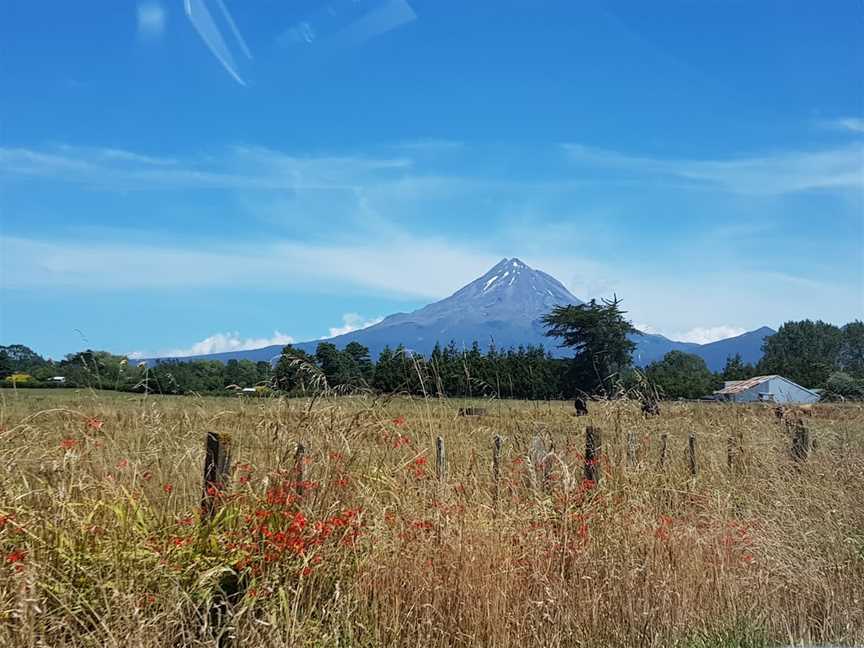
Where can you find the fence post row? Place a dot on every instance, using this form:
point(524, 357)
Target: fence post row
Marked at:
point(299, 469)
point(496, 466)
point(217, 465)
point(540, 465)
point(691, 453)
point(593, 450)
point(440, 459)
point(664, 441)
point(631, 448)
point(800, 441)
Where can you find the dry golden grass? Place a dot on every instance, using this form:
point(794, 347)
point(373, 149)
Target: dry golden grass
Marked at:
point(101, 545)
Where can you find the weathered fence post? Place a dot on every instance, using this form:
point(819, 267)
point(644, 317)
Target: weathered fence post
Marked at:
point(539, 464)
point(440, 460)
point(691, 453)
point(593, 451)
point(631, 448)
point(664, 442)
point(217, 465)
point(300, 468)
point(800, 441)
point(496, 466)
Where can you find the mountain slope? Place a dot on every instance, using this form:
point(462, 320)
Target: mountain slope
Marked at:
point(504, 306)
point(651, 347)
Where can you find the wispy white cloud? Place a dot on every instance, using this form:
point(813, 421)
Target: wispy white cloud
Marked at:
point(218, 343)
point(352, 322)
point(253, 168)
point(398, 265)
point(151, 19)
point(854, 124)
point(706, 334)
point(697, 334)
point(646, 328)
point(838, 168)
point(431, 145)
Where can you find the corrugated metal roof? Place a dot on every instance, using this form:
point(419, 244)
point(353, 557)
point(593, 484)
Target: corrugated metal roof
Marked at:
point(744, 385)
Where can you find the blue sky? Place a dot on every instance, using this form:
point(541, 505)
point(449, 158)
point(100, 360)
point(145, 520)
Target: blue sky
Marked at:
point(209, 175)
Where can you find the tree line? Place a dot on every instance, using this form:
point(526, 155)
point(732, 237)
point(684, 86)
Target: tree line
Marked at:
point(813, 354)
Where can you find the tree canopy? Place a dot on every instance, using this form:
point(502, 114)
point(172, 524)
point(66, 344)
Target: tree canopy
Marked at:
point(682, 375)
point(805, 352)
point(599, 334)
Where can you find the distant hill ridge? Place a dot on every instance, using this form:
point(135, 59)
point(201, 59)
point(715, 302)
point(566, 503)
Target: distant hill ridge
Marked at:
point(506, 306)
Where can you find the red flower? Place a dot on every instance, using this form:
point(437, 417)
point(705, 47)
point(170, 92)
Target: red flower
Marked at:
point(94, 423)
point(399, 421)
point(583, 531)
point(401, 440)
point(167, 488)
point(16, 556)
point(586, 485)
point(123, 463)
point(243, 479)
point(68, 444)
point(147, 475)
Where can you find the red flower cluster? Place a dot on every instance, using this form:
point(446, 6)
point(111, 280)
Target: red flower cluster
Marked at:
point(418, 466)
point(16, 559)
point(399, 421)
point(68, 444)
point(272, 541)
point(662, 532)
point(401, 440)
point(95, 424)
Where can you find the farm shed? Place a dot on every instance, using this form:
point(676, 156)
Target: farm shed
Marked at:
point(766, 389)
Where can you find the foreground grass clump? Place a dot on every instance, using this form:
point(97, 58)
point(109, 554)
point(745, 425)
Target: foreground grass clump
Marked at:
point(101, 543)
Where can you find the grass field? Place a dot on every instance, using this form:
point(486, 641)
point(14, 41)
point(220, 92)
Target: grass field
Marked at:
point(101, 543)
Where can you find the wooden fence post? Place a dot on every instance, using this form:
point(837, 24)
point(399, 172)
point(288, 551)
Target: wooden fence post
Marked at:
point(631, 448)
point(664, 442)
point(691, 453)
point(300, 468)
point(800, 441)
point(440, 460)
point(540, 467)
point(593, 451)
point(496, 466)
point(217, 465)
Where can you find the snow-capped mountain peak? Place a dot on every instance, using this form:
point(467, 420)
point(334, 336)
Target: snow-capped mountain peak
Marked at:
point(511, 295)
